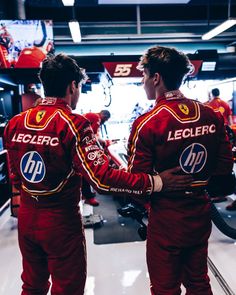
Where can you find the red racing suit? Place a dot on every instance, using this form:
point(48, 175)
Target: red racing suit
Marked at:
point(50, 149)
point(180, 132)
point(95, 121)
point(222, 106)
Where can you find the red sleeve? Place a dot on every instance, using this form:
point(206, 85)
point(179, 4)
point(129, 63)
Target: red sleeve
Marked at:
point(90, 160)
point(140, 149)
point(140, 155)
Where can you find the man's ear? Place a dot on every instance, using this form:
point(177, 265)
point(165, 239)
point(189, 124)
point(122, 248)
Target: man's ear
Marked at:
point(156, 78)
point(71, 90)
point(72, 87)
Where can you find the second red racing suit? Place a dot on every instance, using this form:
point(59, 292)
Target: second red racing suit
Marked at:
point(50, 149)
point(180, 131)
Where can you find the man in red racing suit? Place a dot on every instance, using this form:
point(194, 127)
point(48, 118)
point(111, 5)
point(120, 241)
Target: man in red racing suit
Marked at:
point(50, 149)
point(177, 131)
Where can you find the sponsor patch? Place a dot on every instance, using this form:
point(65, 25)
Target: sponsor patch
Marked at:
point(49, 101)
point(96, 154)
point(91, 148)
point(32, 167)
point(89, 140)
point(193, 158)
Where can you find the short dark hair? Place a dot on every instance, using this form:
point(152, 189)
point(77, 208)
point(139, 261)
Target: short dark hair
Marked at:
point(215, 92)
point(105, 113)
point(58, 72)
point(171, 64)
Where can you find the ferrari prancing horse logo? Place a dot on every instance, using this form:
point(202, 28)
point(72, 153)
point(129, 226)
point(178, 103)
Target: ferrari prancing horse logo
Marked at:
point(40, 115)
point(184, 109)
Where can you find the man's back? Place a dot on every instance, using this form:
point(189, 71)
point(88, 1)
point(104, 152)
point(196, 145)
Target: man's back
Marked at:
point(180, 132)
point(42, 141)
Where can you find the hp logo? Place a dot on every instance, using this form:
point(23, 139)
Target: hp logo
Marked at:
point(32, 167)
point(193, 158)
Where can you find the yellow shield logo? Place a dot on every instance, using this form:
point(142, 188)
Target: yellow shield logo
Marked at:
point(184, 109)
point(222, 110)
point(40, 115)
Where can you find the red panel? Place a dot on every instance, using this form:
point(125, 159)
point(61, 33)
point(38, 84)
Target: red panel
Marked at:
point(122, 69)
point(196, 67)
point(129, 69)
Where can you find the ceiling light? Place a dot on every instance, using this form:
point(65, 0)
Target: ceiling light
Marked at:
point(68, 2)
point(219, 29)
point(75, 31)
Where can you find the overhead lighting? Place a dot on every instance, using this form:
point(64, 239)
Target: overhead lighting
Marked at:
point(75, 31)
point(219, 29)
point(68, 2)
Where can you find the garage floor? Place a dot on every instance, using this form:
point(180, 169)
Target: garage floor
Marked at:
point(114, 268)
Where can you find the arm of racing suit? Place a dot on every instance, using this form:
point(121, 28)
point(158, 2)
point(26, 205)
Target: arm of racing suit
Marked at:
point(90, 161)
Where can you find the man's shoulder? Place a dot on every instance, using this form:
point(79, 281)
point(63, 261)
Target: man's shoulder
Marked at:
point(223, 102)
point(92, 116)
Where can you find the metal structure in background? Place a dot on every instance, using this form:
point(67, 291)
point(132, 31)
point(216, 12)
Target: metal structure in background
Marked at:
point(128, 24)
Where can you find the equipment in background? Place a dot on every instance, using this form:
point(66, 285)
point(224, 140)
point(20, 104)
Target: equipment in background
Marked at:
point(137, 213)
point(92, 221)
point(130, 210)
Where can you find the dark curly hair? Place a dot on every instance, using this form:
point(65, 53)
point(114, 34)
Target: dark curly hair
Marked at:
point(215, 92)
point(58, 72)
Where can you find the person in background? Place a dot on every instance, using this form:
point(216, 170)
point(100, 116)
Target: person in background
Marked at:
point(97, 121)
point(217, 104)
point(220, 105)
point(50, 148)
point(30, 96)
point(177, 131)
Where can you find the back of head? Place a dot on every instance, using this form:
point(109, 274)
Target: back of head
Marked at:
point(105, 115)
point(58, 72)
point(215, 92)
point(171, 64)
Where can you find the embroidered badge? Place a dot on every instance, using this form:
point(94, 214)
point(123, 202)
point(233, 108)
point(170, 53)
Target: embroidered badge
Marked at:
point(184, 109)
point(40, 115)
point(49, 101)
